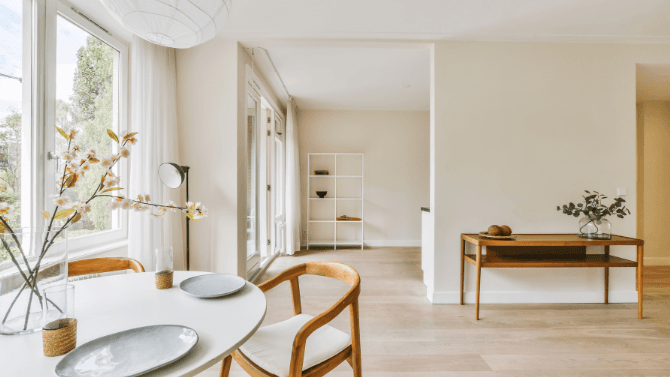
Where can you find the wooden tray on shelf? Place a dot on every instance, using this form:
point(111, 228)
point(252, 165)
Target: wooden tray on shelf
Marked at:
point(347, 218)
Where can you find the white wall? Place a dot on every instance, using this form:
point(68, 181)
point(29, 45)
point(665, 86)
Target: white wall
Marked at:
point(207, 83)
point(520, 128)
point(211, 91)
point(396, 176)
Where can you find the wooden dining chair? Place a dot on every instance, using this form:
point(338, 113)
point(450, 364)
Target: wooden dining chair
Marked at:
point(99, 265)
point(304, 345)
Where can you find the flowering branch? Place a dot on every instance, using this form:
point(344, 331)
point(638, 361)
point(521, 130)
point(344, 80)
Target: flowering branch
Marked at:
point(77, 164)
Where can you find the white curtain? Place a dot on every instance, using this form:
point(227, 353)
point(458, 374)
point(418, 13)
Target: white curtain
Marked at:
point(293, 192)
point(153, 101)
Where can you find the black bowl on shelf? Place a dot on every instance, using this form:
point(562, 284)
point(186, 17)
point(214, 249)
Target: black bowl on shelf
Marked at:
point(321, 194)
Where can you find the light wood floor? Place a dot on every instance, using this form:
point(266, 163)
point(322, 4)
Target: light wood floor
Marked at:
point(404, 335)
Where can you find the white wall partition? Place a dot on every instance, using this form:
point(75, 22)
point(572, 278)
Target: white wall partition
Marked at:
point(516, 126)
point(344, 197)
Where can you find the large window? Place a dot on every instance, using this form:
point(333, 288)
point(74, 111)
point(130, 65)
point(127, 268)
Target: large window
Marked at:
point(86, 101)
point(15, 106)
point(75, 79)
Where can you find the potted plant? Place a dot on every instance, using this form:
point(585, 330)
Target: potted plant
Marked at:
point(32, 259)
point(593, 224)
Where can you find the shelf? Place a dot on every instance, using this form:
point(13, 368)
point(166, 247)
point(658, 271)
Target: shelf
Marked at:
point(588, 260)
point(344, 184)
point(321, 243)
point(348, 221)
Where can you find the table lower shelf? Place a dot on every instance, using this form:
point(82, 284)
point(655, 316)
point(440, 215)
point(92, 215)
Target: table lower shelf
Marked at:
point(588, 260)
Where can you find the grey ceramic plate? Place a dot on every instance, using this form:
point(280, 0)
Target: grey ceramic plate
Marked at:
point(212, 285)
point(128, 353)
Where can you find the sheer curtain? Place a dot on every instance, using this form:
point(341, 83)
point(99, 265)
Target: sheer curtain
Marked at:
point(293, 192)
point(153, 102)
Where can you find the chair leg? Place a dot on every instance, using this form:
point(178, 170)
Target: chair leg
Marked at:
point(350, 361)
point(225, 366)
point(355, 340)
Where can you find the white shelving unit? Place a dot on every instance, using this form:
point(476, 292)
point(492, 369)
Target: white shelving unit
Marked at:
point(344, 185)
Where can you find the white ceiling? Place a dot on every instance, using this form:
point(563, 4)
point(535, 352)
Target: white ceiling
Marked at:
point(362, 77)
point(329, 67)
point(653, 82)
point(567, 20)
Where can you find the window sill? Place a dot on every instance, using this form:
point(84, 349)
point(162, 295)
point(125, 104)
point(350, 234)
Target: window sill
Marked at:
point(95, 250)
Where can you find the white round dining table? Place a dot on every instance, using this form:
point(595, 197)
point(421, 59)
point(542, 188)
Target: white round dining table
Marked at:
point(115, 303)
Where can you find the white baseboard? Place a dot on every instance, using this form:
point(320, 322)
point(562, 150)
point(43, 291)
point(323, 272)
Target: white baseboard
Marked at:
point(657, 261)
point(392, 243)
point(453, 297)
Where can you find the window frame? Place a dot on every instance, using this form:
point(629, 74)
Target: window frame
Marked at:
point(44, 135)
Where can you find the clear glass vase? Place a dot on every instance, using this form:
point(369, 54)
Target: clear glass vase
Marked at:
point(594, 228)
point(31, 260)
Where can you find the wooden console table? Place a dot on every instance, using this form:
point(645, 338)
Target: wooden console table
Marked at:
point(549, 250)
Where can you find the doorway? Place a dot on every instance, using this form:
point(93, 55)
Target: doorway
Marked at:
point(653, 154)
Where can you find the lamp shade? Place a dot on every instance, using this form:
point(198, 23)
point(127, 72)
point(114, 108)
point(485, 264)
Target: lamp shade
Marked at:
point(172, 175)
point(171, 23)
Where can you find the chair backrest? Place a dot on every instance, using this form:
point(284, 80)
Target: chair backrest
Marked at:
point(333, 270)
point(99, 265)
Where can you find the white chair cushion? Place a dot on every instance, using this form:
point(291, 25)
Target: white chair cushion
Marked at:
point(271, 347)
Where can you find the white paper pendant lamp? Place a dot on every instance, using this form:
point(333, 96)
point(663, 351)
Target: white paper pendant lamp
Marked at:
point(171, 23)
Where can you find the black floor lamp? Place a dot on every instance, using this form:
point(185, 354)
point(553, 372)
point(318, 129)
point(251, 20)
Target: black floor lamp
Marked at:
point(173, 175)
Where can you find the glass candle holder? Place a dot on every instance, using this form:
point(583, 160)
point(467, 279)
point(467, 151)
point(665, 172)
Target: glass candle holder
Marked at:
point(164, 267)
point(58, 302)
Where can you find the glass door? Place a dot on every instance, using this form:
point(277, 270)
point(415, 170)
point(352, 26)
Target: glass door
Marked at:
point(265, 183)
point(279, 183)
point(267, 114)
point(253, 244)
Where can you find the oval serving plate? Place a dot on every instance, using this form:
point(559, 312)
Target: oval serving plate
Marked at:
point(212, 285)
point(487, 235)
point(128, 353)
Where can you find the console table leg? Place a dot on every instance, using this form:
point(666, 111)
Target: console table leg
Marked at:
point(479, 278)
point(640, 278)
point(462, 268)
point(607, 276)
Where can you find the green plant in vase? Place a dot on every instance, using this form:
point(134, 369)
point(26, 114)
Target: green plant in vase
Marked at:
point(594, 223)
point(21, 286)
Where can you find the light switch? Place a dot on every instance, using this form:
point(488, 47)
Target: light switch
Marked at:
point(621, 191)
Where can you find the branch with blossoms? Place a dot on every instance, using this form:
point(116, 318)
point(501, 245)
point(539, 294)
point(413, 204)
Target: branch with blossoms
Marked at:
point(77, 164)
